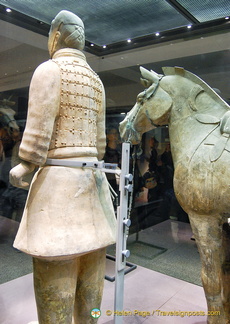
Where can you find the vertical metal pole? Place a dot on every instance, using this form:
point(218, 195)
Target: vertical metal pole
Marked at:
point(122, 232)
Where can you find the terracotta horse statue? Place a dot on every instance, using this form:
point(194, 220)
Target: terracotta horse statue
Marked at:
point(199, 129)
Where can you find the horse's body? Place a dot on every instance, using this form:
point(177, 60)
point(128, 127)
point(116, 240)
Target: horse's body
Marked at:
point(199, 129)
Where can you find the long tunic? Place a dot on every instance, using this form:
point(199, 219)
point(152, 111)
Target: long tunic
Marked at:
point(69, 210)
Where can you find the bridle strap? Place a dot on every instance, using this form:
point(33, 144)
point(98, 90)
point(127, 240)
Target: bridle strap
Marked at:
point(130, 123)
point(147, 115)
point(146, 96)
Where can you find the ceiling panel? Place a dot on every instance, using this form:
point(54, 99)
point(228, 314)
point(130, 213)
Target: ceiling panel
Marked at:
point(114, 21)
point(207, 10)
point(107, 21)
point(110, 23)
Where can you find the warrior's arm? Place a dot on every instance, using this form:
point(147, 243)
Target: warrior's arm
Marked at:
point(44, 96)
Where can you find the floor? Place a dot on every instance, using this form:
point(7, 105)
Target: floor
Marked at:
point(166, 248)
point(145, 291)
point(148, 295)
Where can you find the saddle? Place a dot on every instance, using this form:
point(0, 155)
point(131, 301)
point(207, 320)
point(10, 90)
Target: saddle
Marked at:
point(219, 136)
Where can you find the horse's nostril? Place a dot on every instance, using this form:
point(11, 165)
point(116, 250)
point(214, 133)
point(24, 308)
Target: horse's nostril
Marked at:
point(140, 97)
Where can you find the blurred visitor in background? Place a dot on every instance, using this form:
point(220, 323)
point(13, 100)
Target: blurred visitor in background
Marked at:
point(113, 155)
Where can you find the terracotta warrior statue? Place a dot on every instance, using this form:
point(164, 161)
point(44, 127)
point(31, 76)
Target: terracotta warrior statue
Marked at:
point(68, 219)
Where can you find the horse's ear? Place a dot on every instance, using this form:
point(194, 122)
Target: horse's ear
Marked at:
point(149, 75)
point(145, 83)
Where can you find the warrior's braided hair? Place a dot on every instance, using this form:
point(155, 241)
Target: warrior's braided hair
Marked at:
point(71, 28)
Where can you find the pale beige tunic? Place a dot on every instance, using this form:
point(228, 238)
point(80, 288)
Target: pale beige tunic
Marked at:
point(69, 210)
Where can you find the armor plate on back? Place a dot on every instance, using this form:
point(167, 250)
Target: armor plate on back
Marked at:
point(81, 97)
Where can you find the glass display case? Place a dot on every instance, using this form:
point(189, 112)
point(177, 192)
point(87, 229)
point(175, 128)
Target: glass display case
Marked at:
point(151, 206)
point(160, 234)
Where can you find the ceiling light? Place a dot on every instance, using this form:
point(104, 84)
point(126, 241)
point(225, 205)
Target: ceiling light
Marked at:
point(226, 18)
point(129, 40)
point(8, 10)
point(189, 26)
point(104, 46)
point(92, 44)
point(157, 34)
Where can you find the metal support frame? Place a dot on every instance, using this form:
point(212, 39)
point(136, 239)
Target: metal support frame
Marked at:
point(123, 223)
point(129, 267)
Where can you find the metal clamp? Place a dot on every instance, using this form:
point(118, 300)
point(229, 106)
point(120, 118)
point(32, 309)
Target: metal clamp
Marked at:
point(101, 165)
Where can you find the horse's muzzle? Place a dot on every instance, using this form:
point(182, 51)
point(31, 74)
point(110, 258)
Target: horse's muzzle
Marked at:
point(128, 133)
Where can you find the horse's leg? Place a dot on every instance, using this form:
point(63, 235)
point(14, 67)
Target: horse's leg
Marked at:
point(226, 270)
point(208, 234)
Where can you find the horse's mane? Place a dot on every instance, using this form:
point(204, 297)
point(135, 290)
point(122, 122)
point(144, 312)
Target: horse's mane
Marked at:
point(194, 78)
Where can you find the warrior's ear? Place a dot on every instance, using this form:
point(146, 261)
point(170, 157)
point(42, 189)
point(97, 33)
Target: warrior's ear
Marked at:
point(57, 37)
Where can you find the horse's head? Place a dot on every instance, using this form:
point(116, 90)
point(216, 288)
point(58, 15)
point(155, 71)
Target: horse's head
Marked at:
point(151, 109)
point(8, 121)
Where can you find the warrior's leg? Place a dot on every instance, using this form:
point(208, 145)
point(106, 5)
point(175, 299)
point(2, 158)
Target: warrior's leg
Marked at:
point(90, 286)
point(54, 285)
point(208, 234)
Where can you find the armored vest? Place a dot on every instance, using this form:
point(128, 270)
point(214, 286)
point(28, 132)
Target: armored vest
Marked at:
point(80, 100)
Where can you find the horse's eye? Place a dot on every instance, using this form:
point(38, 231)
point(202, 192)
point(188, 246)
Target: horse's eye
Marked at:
point(139, 99)
point(140, 96)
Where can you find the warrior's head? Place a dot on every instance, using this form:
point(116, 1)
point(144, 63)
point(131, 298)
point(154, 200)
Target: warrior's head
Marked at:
point(67, 30)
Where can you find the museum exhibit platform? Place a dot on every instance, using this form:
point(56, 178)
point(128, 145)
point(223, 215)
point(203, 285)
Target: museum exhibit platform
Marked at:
point(145, 291)
point(167, 247)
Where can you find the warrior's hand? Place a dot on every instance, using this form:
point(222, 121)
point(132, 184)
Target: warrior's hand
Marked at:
point(18, 172)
